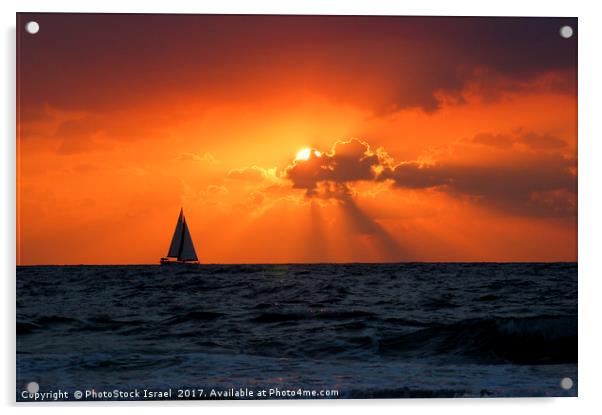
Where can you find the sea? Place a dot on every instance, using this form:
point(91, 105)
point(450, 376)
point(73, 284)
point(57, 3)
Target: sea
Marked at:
point(320, 331)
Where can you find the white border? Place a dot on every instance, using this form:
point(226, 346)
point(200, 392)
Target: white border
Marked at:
point(590, 199)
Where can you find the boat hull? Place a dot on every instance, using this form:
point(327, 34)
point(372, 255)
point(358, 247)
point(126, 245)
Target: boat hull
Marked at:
point(166, 261)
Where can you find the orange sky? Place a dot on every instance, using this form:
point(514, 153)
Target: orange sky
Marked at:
point(440, 139)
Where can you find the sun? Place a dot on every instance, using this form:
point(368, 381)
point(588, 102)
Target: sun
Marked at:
point(305, 154)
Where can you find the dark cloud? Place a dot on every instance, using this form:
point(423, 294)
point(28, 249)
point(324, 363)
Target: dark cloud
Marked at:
point(494, 140)
point(99, 62)
point(522, 182)
point(545, 141)
point(348, 161)
point(514, 185)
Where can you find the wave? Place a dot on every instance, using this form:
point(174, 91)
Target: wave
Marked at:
point(26, 328)
point(51, 320)
point(105, 323)
point(44, 322)
point(344, 314)
point(277, 317)
point(528, 340)
point(97, 323)
point(193, 316)
point(519, 340)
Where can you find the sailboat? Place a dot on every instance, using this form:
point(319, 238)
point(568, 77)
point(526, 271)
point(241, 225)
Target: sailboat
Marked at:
point(181, 249)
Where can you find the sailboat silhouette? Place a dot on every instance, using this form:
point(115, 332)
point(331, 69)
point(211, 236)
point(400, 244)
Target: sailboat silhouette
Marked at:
point(181, 247)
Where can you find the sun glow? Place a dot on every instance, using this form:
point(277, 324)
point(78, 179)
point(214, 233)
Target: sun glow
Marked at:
point(305, 154)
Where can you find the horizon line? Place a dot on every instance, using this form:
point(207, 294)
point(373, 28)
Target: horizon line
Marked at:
point(306, 263)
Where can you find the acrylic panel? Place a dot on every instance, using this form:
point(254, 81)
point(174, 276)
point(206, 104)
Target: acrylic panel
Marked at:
point(295, 207)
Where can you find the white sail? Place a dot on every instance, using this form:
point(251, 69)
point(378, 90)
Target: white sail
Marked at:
point(187, 252)
point(176, 240)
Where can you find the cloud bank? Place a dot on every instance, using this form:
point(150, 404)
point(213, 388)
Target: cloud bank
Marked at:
point(526, 177)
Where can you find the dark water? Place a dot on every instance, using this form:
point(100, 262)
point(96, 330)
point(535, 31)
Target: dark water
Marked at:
point(388, 330)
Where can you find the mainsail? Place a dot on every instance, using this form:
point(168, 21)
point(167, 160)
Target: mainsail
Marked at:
point(181, 246)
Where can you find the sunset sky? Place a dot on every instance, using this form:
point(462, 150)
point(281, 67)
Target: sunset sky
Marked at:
point(296, 138)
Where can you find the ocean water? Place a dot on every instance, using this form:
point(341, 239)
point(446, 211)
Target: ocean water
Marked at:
point(344, 331)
